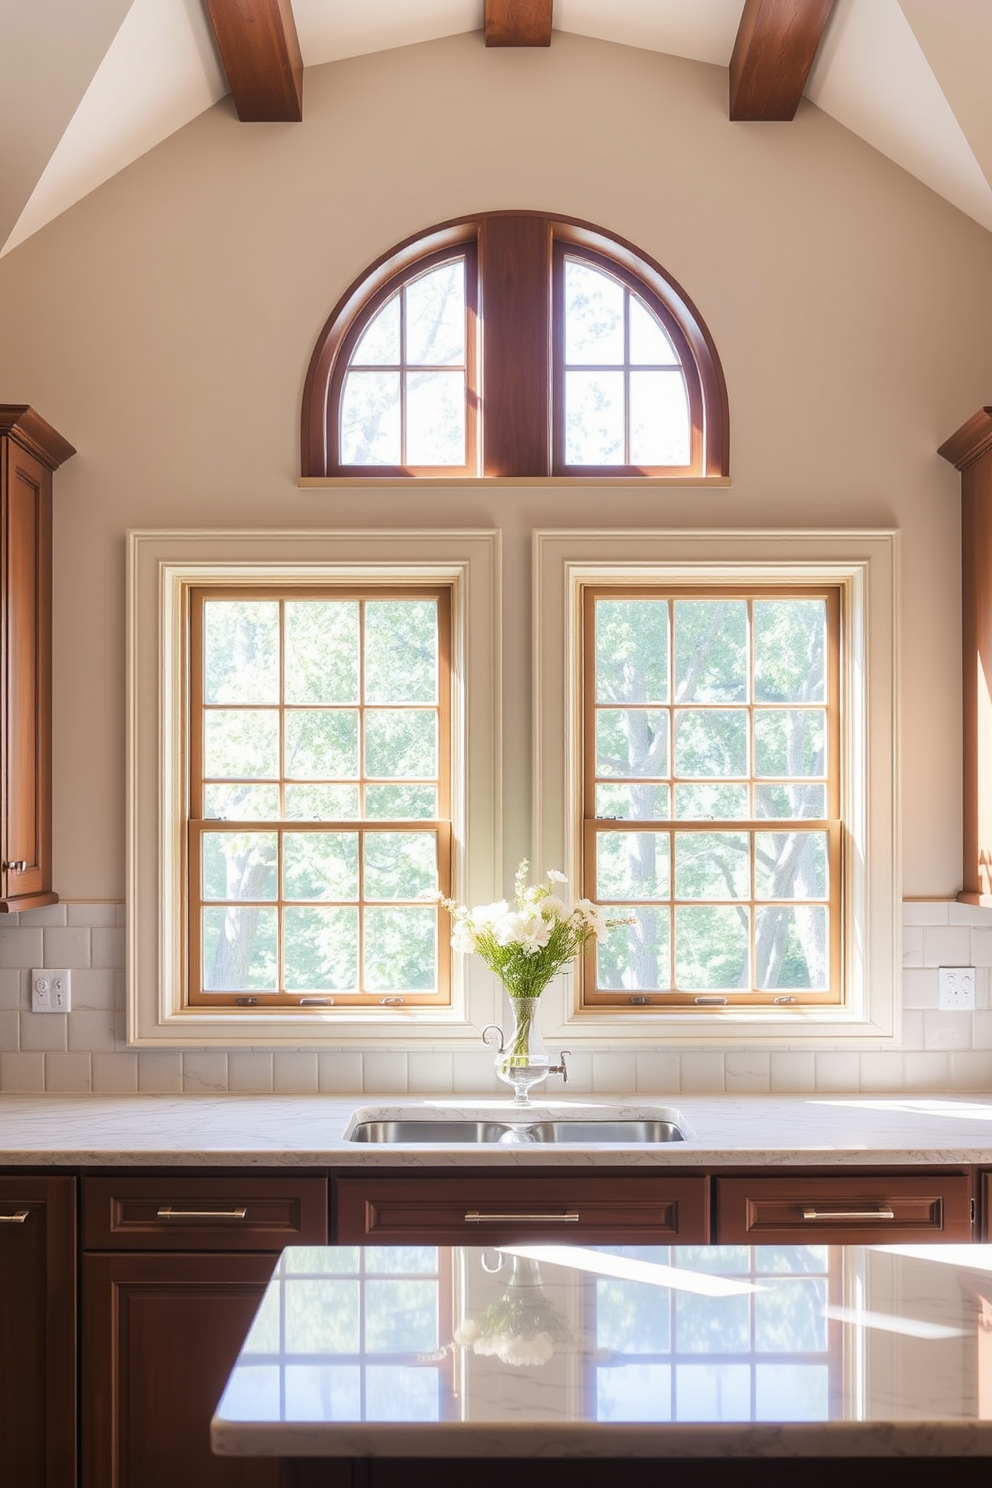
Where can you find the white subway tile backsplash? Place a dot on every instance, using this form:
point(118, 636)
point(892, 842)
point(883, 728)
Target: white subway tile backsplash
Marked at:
point(115, 1074)
point(107, 947)
point(947, 1031)
point(702, 1072)
point(45, 1032)
point(22, 1074)
point(746, 1073)
point(294, 1072)
point(611, 1072)
point(92, 915)
point(13, 990)
point(249, 1074)
point(473, 1074)
point(657, 1074)
point(204, 1073)
point(930, 1071)
point(64, 947)
point(384, 1072)
point(21, 948)
point(981, 1030)
point(925, 912)
point(339, 1073)
point(968, 914)
point(92, 991)
point(90, 1031)
point(68, 1074)
point(837, 1071)
point(947, 945)
point(10, 1029)
point(912, 945)
point(429, 1073)
point(160, 1072)
point(882, 1072)
point(50, 914)
point(792, 1070)
point(971, 1071)
point(920, 986)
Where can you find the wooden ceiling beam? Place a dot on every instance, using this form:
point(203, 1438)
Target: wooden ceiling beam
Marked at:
point(777, 41)
point(518, 23)
point(260, 52)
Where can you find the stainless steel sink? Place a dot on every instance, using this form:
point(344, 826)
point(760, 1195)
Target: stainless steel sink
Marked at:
point(506, 1134)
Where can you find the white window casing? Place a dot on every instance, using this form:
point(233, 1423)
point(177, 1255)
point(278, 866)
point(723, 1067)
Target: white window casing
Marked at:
point(864, 565)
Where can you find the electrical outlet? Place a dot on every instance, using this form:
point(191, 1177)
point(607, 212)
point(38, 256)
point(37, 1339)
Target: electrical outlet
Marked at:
point(51, 991)
point(956, 988)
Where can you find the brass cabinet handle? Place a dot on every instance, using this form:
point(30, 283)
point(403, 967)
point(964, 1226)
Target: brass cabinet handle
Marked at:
point(18, 1218)
point(170, 1213)
point(474, 1217)
point(848, 1214)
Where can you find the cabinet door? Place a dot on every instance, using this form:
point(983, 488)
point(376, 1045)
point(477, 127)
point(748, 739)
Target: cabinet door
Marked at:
point(863, 1209)
point(484, 1209)
point(37, 1332)
point(160, 1336)
point(26, 542)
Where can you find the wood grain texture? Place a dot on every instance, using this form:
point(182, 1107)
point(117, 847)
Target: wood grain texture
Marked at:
point(515, 273)
point(971, 441)
point(33, 434)
point(777, 41)
point(260, 52)
point(518, 23)
point(769, 1211)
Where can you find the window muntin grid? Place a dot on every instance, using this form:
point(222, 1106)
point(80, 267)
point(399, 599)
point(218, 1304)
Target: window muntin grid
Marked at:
point(319, 796)
point(712, 794)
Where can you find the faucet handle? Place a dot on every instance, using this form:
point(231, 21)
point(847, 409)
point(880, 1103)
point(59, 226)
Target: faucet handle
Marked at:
point(560, 1069)
point(497, 1042)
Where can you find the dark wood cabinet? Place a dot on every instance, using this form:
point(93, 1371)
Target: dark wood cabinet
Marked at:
point(485, 1208)
point(30, 450)
point(38, 1331)
point(173, 1270)
point(853, 1208)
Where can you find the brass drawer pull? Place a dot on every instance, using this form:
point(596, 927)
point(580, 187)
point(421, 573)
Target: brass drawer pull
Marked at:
point(17, 1218)
point(849, 1214)
point(170, 1213)
point(474, 1217)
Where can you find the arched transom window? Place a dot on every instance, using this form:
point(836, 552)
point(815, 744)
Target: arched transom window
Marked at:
point(515, 345)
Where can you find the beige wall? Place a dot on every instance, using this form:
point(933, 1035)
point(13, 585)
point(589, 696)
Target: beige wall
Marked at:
point(164, 325)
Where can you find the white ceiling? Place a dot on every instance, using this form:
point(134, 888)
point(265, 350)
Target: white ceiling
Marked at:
point(87, 86)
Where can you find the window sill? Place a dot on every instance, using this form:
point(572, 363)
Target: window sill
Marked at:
point(400, 482)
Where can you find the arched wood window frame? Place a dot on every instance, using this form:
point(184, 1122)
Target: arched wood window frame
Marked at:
point(514, 348)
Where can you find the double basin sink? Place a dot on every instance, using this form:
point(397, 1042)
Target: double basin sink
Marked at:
point(516, 1129)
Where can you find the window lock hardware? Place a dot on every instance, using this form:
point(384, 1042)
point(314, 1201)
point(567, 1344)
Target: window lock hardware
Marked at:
point(778, 1000)
point(316, 1002)
point(710, 1001)
point(245, 1001)
point(391, 1001)
point(639, 1001)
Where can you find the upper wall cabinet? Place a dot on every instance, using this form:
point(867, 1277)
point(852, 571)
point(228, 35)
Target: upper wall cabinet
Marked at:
point(30, 450)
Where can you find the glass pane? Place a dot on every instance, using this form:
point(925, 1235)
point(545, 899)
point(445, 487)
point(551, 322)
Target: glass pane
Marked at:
point(322, 1315)
point(381, 1260)
point(401, 1316)
point(792, 1392)
point(712, 865)
point(659, 419)
point(321, 949)
point(721, 1260)
point(401, 949)
point(594, 418)
point(322, 802)
point(593, 316)
point(712, 1325)
point(239, 950)
point(435, 418)
point(240, 651)
point(711, 802)
point(632, 1318)
point(712, 742)
point(322, 651)
point(788, 1316)
point(435, 317)
point(795, 801)
point(241, 802)
point(632, 865)
point(401, 742)
point(633, 802)
point(321, 744)
point(631, 741)
point(398, 1392)
point(634, 1392)
point(649, 342)
point(711, 946)
point(790, 646)
point(394, 802)
point(322, 1392)
point(713, 1392)
point(790, 865)
point(239, 865)
point(791, 1258)
point(370, 419)
point(790, 741)
point(379, 344)
point(320, 865)
point(401, 651)
point(635, 958)
point(240, 744)
point(792, 948)
point(400, 865)
point(710, 650)
point(631, 651)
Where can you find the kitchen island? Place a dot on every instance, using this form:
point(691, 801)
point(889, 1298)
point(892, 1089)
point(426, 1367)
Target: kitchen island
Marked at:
point(596, 1354)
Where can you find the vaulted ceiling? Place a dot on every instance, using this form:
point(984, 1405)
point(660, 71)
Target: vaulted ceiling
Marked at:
point(88, 86)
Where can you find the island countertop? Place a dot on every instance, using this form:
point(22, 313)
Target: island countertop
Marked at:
point(568, 1351)
point(310, 1130)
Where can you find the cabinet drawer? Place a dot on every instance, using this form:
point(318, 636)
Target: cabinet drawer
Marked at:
point(869, 1210)
point(203, 1213)
point(480, 1211)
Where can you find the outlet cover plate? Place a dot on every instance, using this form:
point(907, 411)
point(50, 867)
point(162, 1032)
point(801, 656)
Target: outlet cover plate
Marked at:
point(956, 988)
point(51, 990)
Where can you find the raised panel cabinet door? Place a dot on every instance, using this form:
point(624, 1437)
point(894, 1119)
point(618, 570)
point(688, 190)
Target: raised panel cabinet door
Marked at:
point(160, 1336)
point(37, 1332)
point(859, 1208)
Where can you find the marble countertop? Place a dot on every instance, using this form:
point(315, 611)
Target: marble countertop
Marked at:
point(565, 1351)
point(305, 1131)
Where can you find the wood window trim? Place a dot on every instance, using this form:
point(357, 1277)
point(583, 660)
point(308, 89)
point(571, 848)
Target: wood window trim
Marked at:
point(293, 1004)
point(518, 301)
point(636, 1004)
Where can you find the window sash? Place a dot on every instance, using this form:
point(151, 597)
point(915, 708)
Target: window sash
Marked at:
point(636, 1000)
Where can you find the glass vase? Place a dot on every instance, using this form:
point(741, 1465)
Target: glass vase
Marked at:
point(523, 1061)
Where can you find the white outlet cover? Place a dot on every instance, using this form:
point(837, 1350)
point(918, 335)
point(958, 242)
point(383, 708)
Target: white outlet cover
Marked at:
point(51, 990)
point(956, 988)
